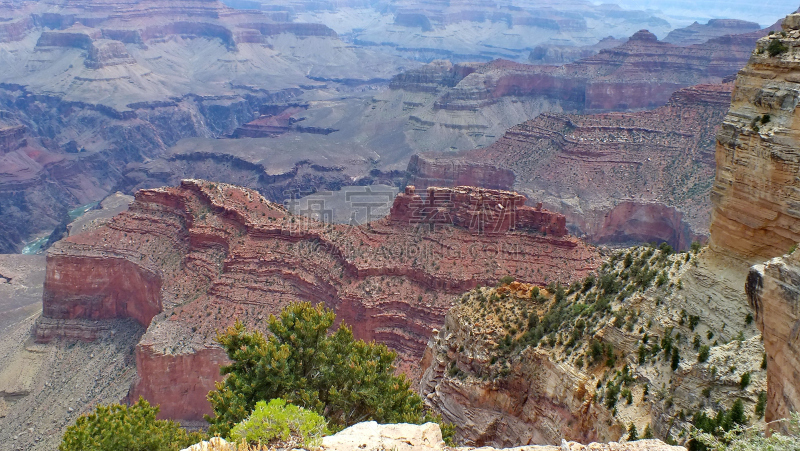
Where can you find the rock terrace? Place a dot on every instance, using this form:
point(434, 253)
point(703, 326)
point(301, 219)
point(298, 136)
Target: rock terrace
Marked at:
point(188, 261)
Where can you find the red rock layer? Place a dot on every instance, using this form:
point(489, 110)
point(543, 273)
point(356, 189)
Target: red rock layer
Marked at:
point(425, 172)
point(219, 253)
point(483, 211)
point(163, 377)
point(111, 287)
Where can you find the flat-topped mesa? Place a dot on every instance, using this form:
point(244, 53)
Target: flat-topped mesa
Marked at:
point(479, 210)
point(756, 192)
point(188, 261)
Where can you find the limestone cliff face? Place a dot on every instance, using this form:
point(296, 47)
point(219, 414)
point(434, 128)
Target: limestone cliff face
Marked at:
point(189, 261)
point(773, 289)
point(755, 193)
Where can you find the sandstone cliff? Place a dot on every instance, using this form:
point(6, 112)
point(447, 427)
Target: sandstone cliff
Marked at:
point(187, 261)
point(754, 193)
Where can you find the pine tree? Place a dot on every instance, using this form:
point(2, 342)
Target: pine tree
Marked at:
point(134, 428)
point(345, 380)
point(632, 434)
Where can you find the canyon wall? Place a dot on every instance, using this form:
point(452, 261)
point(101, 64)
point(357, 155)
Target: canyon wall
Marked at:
point(756, 197)
point(617, 177)
point(640, 73)
point(426, 171)
point(97, 90)
point(202, 255)
point(773, 289)
point(755, 191)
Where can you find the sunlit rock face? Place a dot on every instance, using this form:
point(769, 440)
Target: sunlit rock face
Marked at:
point(756, 193)
point(756, 196)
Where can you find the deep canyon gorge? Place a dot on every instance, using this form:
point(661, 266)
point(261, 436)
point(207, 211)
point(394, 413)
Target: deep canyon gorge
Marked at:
point(155, 152)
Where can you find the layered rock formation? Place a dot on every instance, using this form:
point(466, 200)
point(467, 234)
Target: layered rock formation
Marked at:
point(753, 218)
point(617, 177)
point(425, 172)
point(517, 365)
point(90, 91)
point(773, 290)
point(481, 211)
point(641, 73)
point(426, 30)
point(715, 28)
point(561, 54)
point(202, 255)
point(754, 193)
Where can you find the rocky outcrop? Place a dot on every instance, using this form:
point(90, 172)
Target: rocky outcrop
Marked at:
point(481, 211)
point(516, 365)
point(202, 255)
point(428, 437)
point(755, 191)
point(371, 435)
point(773, 291)
point(105, 52)
point(11, 138)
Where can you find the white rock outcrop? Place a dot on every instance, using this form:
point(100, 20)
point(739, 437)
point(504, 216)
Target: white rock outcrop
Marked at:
point(371, 436)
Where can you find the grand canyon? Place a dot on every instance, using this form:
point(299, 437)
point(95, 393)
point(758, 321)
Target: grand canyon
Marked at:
point(571, 222)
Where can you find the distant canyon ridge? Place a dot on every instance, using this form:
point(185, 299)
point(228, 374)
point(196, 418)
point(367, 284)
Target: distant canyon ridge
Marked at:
point(104, 97)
